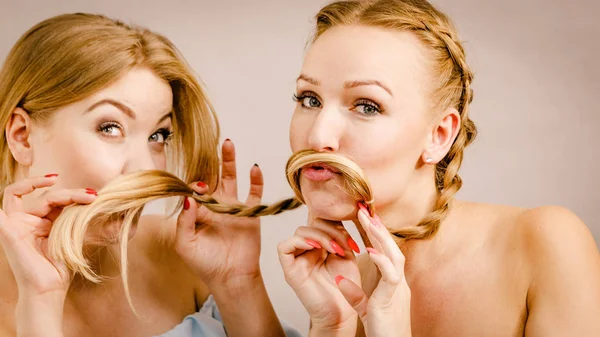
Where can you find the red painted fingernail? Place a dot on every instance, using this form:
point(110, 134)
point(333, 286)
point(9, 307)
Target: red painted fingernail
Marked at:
point(201, 184)
point(353, 245)
point(92, 193)
point(51, 175)
point(372, 250)
point(313, 243)
point(338, 279)
point(186, 204)
point(338, 250)
point(363, 208)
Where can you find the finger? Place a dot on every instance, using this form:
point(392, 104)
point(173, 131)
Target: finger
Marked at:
point(366, 222)
point(186, 222)
point(322, 238)
point(337, 231)
point(228, 171)
point(383, 238)
point(256, 186)
point(390, 276)
point(51, 200)
point(291, 248)
point(354, 295)
point(199, 187)
point(14, 192)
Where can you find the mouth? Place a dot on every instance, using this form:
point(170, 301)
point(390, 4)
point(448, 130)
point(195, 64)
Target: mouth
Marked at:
point(321, 167)
point(319, 172)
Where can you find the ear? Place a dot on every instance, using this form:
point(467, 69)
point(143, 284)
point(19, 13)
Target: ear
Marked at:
point(18, 132)
point(442, 137)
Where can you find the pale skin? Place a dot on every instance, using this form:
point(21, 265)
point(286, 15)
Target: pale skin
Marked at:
point(173, 266)
point(491, 270)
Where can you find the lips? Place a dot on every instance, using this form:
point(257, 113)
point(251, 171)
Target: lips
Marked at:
point(319, 172)
point(322, 166)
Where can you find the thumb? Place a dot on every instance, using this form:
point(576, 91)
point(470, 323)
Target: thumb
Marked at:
point(354, 295)
point(186, 222)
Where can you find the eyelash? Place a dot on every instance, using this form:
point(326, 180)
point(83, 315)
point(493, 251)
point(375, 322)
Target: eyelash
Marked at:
point(166, 133)
point(360, 102)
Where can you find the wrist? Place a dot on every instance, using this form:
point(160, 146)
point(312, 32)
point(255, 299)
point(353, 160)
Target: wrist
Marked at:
point(39, 315)
point(343, 328)
point(236, 285)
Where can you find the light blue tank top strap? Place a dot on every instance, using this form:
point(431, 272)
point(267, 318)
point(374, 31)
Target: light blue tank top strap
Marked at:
point(207, 322)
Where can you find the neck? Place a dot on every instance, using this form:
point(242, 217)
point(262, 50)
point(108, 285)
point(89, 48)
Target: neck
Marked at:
point(416, 202)
point(105, 261)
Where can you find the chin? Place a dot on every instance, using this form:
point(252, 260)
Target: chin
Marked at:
point(326, 205)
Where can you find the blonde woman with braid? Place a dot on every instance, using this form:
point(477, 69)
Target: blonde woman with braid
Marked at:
point(386, 83)
point(85, 100)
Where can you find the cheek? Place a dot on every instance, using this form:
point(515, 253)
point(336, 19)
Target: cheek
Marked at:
point(389, 158)
point(82, 159)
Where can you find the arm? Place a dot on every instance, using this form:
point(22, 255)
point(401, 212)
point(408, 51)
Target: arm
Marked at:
point(39, 316)
point(564, 295)
point(246, 308)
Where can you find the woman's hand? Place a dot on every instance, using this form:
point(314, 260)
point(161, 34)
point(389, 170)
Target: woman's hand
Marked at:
point(311, 261)
point(387, 311)
point(224, 251)
point(222, 248)
point(24, 229)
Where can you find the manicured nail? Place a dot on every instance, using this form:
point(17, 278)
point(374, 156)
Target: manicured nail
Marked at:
point(363, 208)
point(372, 250)
point(91, 191)
point(313, 243)
point(338, 279)
point(51, 175)
point(186, 204)
point(353, 245)
point(338, 250)
point(201, 184)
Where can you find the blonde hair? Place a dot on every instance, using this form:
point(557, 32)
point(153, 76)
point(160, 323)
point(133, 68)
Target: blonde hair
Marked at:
point(453, 78)
point(69, 57)
point(124, 198)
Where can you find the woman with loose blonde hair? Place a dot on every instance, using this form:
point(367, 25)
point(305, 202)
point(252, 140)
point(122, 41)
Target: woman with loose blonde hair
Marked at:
point(386, 84)
point(84, 101)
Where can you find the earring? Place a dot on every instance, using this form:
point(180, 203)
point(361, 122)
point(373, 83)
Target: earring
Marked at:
point(428, 160)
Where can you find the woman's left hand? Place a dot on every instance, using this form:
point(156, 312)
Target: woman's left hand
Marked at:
point(222, 248)
point(387, 311)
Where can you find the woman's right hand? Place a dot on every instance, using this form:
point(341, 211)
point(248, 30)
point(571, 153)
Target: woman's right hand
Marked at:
point(24, 229)
point(311, 260)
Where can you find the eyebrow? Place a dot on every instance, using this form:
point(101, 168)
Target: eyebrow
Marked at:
point(354, 84)
point(124, 108)
point(348, 85)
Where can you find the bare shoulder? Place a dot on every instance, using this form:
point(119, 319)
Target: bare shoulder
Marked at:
point(564, 293)
point(553, 231)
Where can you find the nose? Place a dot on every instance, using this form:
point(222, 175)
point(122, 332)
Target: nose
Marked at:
point(139, 158)
point(326, 131)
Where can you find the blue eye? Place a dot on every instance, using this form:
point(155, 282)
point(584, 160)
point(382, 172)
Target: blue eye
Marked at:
point(308, 100)
point(367, 107)
point(161, 136)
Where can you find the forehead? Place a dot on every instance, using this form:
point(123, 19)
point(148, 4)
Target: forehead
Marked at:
point(141, 90)
point(354, 52)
